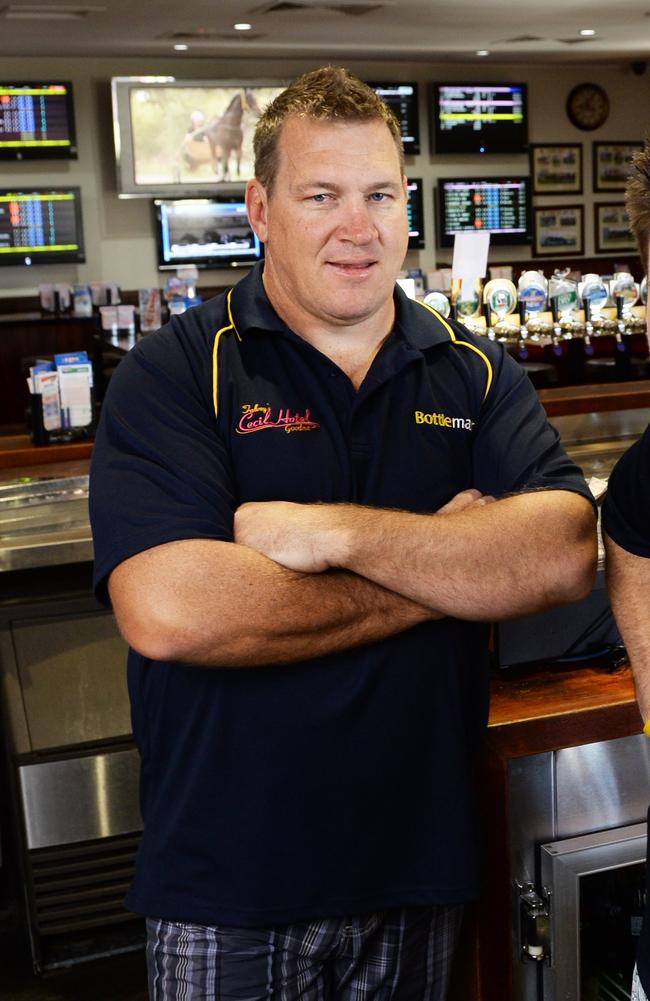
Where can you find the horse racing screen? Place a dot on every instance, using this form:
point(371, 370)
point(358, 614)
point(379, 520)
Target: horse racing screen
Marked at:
point(207, 232)
point(183, 138)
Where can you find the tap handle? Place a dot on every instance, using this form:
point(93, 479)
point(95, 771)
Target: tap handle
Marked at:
point(555, 311)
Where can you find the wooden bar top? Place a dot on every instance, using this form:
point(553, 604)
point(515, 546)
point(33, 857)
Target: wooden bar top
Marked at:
point(17, 451)
point(549, 707)
point(598, 397)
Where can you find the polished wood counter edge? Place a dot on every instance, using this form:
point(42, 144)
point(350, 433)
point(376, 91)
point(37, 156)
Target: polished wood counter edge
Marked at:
point(37, 317)
point(18, 453)
point(595, 397)
point(547, 707)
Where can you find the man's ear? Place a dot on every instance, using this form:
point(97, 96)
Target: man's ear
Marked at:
point(256, 206)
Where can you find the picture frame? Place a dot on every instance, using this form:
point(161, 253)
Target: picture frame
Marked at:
point(612, 228)
point(558, 230)
point(556, 168)
point(612, 164)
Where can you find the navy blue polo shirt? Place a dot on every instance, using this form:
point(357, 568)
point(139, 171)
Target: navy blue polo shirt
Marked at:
point(627, 501)
point(340, 784)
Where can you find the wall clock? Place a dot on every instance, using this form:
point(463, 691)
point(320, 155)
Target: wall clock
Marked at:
point(587, 106)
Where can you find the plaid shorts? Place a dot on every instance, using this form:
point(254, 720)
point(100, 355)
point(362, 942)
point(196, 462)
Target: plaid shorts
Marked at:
point(403, 954)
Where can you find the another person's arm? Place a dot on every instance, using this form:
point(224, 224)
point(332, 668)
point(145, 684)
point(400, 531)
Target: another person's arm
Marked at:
point(628, 583)
point(626, 534)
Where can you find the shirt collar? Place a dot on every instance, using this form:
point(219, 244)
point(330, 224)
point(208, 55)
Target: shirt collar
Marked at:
point(250, 306)
point(419, 325)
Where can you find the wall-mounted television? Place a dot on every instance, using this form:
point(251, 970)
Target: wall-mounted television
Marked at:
point(499, 205)
point(415, 213)
point(402, 99)
point(185, 138)
point(207, 232)
point(479, 118)
point(37, 121)
point(41, 226)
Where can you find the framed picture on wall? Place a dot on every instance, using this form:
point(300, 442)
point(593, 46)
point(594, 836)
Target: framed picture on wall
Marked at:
point(559, 230)
point(556, 169)
point(612, 164)
point(612, 228)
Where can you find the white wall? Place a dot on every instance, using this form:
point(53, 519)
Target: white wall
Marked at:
point(119, 233)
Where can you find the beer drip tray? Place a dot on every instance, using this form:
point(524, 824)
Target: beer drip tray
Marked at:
point(44, 520)
point(598, 458)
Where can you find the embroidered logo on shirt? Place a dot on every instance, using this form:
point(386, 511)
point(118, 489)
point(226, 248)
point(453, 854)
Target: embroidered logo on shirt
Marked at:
point(259, 416)
point(444, 421)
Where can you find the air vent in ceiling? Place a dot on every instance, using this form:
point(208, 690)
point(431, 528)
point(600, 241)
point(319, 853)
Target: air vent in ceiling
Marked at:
point(522, 38)
point(190, 37)
point(49, 12)
point(355, 8)
point(573, 41)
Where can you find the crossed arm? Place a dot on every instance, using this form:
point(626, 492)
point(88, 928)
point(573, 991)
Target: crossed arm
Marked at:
point(301, 581)
point(628, 584)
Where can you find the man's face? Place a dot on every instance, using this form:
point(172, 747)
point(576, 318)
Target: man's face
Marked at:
point(335, 226)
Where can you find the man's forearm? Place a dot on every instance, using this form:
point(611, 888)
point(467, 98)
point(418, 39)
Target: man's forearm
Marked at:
point(222, 604)
point(485, 562)
point(628, 584)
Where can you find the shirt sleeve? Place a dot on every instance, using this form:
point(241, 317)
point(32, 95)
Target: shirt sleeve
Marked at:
point(159, 470)
point(516, 448)
point(626, 509)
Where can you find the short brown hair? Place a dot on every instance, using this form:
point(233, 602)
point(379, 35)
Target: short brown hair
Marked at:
point(327, 94)
point(637, 200)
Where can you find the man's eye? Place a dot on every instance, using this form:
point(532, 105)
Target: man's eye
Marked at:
point(319, 198)
point(379, 196)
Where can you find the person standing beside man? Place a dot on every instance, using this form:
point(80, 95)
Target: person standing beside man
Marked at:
point(626, 534)
point(308, 496)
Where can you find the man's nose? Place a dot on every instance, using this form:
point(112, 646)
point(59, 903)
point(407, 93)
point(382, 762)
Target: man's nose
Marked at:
point(358, 226)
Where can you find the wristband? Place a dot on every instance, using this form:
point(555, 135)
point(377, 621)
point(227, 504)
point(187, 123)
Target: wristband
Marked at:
point(646, 728)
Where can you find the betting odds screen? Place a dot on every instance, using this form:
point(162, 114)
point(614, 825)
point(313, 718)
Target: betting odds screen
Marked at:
point(497, 205)
point(402, 99)
point(36, 121)
point(480, 118)
point(415, 213)
point(40, 227)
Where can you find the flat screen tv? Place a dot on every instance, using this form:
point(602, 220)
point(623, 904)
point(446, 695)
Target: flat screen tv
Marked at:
point(37, 121)
point(41, 226)
point(185, 138)
point(207, 232)
point(415, 213)
point(500, 205)
point(402, 99)
point(479, 118)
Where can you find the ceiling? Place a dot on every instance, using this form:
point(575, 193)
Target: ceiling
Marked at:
point(522, 31)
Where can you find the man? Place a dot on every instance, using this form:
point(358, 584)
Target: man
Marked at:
point(291, 501)
point(627, 535)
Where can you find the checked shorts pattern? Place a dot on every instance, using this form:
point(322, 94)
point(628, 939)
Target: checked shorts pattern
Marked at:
point(403, 954)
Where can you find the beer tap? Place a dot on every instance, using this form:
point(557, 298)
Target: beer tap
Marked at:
point(555, 313)
point(589, 328)
point(487, 313)
point(620, 322)
point(523, 330)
